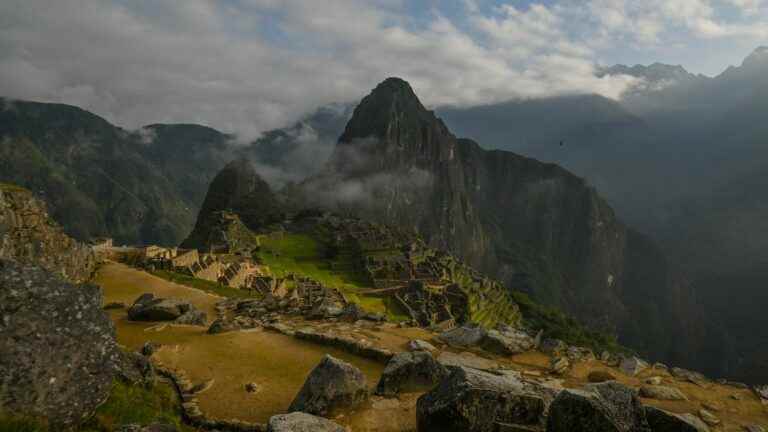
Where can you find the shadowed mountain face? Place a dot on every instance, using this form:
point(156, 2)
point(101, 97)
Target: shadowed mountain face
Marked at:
point(683, 162)
point(533, 225)
point(239, 190)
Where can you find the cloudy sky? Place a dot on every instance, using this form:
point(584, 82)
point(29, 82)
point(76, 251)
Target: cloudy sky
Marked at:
point(245, 66)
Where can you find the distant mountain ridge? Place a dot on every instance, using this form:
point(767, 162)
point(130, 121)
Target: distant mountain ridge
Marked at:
point(142, 186)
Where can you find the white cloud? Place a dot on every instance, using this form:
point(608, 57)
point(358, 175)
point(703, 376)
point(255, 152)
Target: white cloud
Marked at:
point(250, 65)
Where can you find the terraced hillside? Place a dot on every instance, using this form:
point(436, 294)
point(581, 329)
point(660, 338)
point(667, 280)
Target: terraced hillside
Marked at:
point(384, 271)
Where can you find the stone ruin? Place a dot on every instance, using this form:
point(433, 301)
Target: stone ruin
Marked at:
point(442, 307)
point(237, 274)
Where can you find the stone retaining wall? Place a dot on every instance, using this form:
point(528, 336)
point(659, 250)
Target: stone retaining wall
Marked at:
point(362, 348)
point(191, 410)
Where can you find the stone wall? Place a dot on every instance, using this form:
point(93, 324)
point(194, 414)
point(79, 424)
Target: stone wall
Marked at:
point(28, 234)
point(185, 258)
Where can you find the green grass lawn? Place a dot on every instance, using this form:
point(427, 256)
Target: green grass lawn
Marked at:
point(303, 255)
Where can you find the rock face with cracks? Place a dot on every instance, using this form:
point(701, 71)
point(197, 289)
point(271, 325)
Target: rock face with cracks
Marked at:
point(410, 371)
point(149, 308)
point(605, 407)
point(301, 422)
point(58, 354)
point(331, 385)
point(470, 400)
point(663, 421)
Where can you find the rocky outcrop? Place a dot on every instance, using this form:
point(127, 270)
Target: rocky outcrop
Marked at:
point(331, 385)
point(605, 407)
point(410, 371)
point(149, 308)
point(470, 400)
point(664, 421)
point(302, 422)
point(28, 234)
point(468, 335)
point(238, 201)
point(506, 340)
point(660, 392)
point(633, 366)
point(58, 350)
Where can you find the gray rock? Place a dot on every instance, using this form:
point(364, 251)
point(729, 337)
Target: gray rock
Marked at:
point(709, 418)
point(690, 376)
point(301, 422)
point(468, 335)
point(579, 354)
point(507, 341)
point(470, 400)
point(466, 359)
point(663, 421)
point(552, 346)
point(58, 352)
point(332, 384)
point(605, 407)
point(761, 391)
point(135, 369)
point(192, 317)
point(149, 308)
point(221, 326)
point(420, 345)
point(559, 365)
point(633, 365)
point(660, 392)
point(410, 371)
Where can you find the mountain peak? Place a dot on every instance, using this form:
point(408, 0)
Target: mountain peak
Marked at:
point(393, 101)
point(390, 127)
point(758, 57)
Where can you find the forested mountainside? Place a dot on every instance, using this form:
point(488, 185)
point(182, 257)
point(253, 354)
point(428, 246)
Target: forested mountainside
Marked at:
point(142, 186)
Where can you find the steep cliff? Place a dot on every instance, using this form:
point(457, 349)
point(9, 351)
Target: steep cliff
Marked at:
point(28, 234)
point(535, 226)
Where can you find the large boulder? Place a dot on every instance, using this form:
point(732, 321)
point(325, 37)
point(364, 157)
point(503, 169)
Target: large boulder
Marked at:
point(506, 340)
point(664, 421)
point(690, 376)
point(332, 384)
point(468, 335)
point(301, 422)
point(470, 400)
point(633, 365)
point(408, 371)
point(58, 354)
point(149, 308)
point(661, 392)
point(604, 407)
